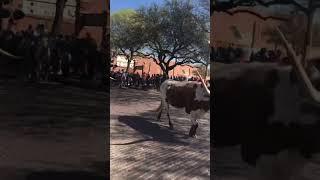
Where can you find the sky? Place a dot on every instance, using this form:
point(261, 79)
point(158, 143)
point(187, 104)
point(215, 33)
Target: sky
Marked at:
point(116, 5)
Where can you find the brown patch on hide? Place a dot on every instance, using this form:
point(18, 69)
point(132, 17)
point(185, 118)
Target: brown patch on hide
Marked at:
point(184, 97)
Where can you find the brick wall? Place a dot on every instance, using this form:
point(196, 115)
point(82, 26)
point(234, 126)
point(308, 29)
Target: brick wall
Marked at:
point(222, 35)
point(149, 66)
point(93, 6)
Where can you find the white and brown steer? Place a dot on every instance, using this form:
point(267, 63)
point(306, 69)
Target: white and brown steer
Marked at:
point(194, 97)
point(272, 111)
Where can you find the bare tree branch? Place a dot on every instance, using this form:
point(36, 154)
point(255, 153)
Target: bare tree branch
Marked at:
point(255, 14)
point(282, 2)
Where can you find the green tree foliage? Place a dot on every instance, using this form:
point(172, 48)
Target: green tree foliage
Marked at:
point(174, 34)
point(127, 36)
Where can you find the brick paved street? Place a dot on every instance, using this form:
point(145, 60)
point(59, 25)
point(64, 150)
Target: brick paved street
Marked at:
point(52, 128)
point(228, 165)
point(143, 148)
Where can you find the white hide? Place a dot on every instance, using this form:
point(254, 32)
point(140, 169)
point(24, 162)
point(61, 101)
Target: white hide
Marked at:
point(200, 96)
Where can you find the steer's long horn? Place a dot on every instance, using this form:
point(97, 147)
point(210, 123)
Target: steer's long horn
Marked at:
point(9, 54)
point(202, 81)
point(315, 94)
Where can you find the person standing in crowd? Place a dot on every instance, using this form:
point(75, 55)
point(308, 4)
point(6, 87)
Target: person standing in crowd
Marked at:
point(123, 79)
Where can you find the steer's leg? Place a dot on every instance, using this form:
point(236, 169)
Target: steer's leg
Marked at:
point(193, 129)
point(168, 115)
point(195, 115)
point(159, 111)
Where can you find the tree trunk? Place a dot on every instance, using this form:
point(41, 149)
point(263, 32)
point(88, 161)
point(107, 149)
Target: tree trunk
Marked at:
point(253, 34)
point(165, 69)
point(308, 35)
point(134, 66)
point(128, 64)
point(166, 73)
point(253, 38)
point(58, 18)
point(77, 25)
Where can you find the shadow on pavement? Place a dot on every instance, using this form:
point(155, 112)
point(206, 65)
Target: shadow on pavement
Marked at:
point(122, 96)
point(69, 175)
point(153, 130)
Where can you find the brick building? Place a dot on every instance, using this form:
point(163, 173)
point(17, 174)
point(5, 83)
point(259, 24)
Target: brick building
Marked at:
point(237, 30)
point(150, 67)
point(42, 12)
point(223, 27)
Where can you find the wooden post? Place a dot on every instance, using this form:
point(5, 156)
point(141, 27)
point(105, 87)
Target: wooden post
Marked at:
point(308, 35)
point(77, 24)
point(253, 37)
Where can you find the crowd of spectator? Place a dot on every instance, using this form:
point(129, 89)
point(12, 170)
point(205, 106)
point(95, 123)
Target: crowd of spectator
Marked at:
point(233, 55)
point(46, 56)
point(264, 55)
point(227, 55)
point(145, 80)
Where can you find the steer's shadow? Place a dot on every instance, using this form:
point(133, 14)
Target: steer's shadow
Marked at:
point(153, 130)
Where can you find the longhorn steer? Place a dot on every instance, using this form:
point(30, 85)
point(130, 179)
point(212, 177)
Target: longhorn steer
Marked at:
point(194, 97)
point(267, 109)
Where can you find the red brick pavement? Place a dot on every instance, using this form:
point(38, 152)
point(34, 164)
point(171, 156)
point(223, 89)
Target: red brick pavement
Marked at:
point(50, 127)
point(143, 148)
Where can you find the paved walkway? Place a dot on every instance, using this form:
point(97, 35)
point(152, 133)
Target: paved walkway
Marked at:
point(143, 148)
point(49, 130)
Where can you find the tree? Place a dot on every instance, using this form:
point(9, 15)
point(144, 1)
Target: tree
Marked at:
point(58, 18)
point(126, 34)
point(204, 13)
point(174, 34)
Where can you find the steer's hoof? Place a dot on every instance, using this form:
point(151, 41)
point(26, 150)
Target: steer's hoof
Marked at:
point(192, 133)
point(193, 130)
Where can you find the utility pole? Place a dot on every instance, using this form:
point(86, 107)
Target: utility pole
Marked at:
point(105, 45)
point(253, 38)
point(77, 24)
